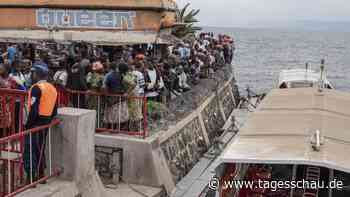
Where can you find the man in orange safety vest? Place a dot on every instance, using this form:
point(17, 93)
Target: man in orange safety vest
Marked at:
point(42, 107)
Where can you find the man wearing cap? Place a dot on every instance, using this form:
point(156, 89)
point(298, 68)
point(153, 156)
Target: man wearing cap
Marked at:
point(42, 107)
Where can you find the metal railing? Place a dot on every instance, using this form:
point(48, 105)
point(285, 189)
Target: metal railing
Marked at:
point(22, 152)
point(12, 111)
point(12, 117)
point(115, 113)
point(32, 143)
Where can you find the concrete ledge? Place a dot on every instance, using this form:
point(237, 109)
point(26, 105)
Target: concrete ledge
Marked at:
point(138, 162)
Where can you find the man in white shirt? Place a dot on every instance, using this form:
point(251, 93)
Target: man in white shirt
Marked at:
point(183, 79)
point(61, 77)
point(154, 82)
point(140, 79)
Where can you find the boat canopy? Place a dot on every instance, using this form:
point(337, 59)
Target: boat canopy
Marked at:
point(296, 78)
point(281, 129)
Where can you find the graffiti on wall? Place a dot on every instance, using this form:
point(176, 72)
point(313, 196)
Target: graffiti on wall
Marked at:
point(95, 19)
point(228, 102)
point(108, 163)
point(213, 119)
point(183, 150)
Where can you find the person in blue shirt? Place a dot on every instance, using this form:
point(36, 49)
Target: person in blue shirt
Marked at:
point(113, 81)
point(11, 54)
point(20, 84)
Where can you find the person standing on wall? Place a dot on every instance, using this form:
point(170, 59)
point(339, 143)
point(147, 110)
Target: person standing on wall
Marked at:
point(42, 108)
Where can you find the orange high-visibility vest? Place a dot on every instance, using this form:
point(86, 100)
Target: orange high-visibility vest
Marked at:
point(47, 100)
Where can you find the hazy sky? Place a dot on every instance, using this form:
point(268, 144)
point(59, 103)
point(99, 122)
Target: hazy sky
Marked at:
point(250, 13)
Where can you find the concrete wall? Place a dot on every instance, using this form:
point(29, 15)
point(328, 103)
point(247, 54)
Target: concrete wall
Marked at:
point(138, 165)
point(27, 18)
point(164, 158)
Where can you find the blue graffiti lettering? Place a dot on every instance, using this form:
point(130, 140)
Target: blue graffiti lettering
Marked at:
point(85, 19)
point(64, 18)
point(45, 18)
point(125, 19)
point(104, 19)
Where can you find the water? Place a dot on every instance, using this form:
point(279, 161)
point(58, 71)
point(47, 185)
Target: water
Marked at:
point(261, 54)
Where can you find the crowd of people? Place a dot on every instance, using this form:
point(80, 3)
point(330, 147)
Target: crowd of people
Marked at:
point(136, 71)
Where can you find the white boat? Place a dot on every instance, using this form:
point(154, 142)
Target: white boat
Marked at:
point(295, 134)
point(302, 78)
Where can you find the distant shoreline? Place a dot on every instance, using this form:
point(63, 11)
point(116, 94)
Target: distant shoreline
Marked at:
point(289, 29)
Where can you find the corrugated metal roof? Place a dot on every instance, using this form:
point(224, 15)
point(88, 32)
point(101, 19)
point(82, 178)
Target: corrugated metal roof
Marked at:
point(280, 130)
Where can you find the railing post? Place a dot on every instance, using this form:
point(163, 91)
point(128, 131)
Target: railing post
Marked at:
point(9, 168)
point(98, 110)
point(50, 152)
point(119, 113)
point(145, 134)
point(31, 157)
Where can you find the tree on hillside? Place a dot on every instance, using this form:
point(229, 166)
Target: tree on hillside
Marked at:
point(186, 20)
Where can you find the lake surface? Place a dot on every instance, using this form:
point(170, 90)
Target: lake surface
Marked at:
point(261, 54)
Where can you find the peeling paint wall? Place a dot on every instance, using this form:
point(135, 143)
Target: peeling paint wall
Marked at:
point(108, 162)
point(184, 149)
point(136, 15)
point(213, 119)
point(228, 101)
point(20, 18)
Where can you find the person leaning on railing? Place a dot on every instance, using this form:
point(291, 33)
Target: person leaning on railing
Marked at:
point(134, 108)
point(6, 81)
point(116, 112)
point(42, 107)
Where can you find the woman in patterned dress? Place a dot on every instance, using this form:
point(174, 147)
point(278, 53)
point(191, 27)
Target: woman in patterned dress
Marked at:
point(134, 104)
